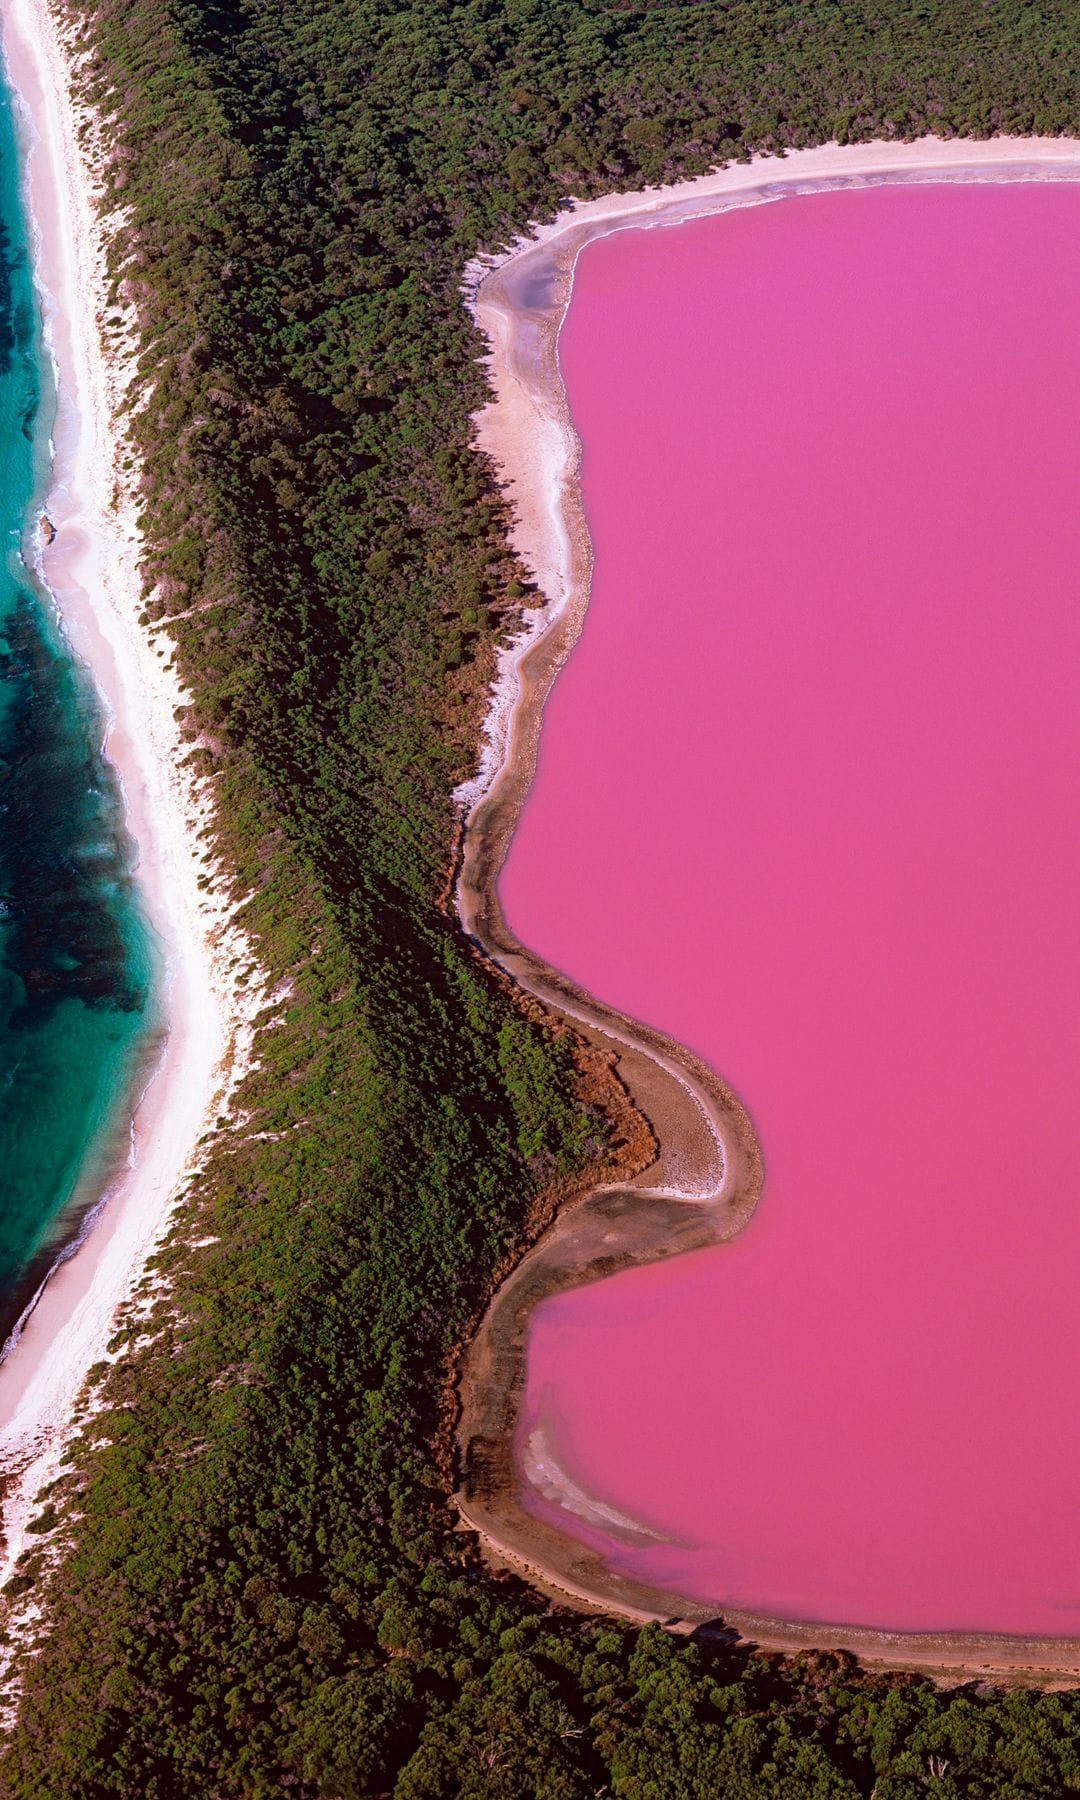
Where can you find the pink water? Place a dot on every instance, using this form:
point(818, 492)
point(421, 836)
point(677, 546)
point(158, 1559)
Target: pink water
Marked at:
point(808, 799)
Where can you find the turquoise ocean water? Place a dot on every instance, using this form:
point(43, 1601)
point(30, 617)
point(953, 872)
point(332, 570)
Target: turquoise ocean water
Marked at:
point(77, 962)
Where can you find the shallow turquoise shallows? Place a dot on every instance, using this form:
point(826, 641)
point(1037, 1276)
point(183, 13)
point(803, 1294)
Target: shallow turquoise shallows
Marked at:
point(77, 962)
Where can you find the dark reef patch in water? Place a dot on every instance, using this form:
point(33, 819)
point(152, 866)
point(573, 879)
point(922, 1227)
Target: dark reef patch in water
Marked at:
point(65, 858)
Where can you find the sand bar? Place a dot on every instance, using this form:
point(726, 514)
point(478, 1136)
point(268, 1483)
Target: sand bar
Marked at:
point(519, 300)
point(92, 571)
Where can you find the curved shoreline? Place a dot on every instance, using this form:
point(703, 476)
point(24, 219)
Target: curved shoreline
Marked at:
point(92, 572)
point(706, 1180)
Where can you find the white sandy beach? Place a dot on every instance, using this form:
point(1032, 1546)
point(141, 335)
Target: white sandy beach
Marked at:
point(92, 570)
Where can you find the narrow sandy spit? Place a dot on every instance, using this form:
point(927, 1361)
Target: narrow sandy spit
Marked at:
point(704, 1184)
point(92, 570)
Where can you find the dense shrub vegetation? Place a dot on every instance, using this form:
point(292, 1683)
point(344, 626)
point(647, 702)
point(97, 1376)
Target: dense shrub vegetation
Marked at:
point(263, 1590)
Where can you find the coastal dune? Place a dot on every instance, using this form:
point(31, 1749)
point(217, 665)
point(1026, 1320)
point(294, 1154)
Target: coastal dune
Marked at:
point(520, 301)
point(91, 568)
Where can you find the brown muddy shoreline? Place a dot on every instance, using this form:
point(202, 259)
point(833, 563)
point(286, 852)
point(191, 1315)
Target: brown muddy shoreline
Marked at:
point(705, 1182)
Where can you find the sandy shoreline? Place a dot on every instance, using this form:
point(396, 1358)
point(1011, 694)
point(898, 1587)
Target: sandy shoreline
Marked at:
point(704, 1185)
point(92, 572)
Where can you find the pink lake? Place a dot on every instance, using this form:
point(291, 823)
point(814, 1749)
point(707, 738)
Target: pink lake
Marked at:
point(808, 799)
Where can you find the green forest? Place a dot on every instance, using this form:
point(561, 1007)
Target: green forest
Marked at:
point(250, 1578)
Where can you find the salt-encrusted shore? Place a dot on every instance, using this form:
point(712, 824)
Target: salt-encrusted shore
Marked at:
point(92, 570)
point(707, 1177)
